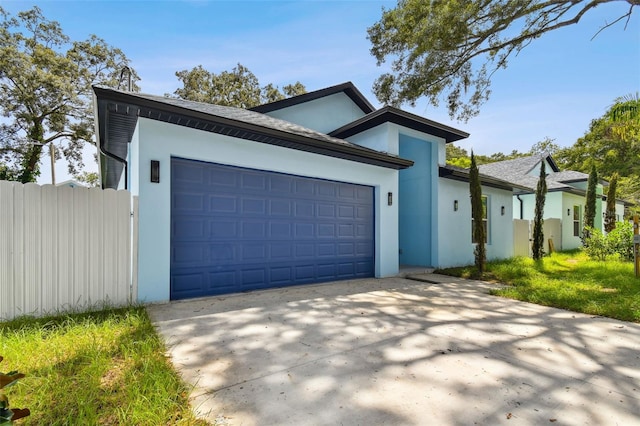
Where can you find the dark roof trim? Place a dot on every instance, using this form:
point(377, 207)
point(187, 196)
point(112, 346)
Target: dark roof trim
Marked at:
point(348, 88)
point(403, 118)
point(546, 156)
point(117, 114)
point(459, 174)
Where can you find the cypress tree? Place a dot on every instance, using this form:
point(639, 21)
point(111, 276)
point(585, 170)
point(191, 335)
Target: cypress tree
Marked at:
point(538, 221)
point(475, 188)
point(610, 218)
point(590, 207)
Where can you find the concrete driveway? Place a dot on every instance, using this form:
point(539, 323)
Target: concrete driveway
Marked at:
point(399, 352)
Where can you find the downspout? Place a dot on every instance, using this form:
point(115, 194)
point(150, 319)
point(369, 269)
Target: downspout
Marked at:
point(118, 159)
point(104, 151)
point(517, 196)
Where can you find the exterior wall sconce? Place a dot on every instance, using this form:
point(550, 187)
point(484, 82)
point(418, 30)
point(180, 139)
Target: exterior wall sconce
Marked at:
point(455, 205)
point(568, 212)
point(502, 211)
point(389, 198)
point(155, 171)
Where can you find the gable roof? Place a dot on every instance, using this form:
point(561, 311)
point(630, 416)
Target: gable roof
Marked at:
point(117, 113)
point(347, 88)
point(402, 118)
point(517, 171)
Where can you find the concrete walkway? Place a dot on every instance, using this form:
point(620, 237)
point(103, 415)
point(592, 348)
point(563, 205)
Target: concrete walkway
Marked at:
point(400, 352)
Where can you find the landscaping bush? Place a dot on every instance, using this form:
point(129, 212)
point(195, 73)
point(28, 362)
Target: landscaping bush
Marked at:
point(617, 242)
point(620, 240)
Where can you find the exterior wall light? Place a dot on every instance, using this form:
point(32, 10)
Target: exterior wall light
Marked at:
point(155, 171)
point(568, 212)
point(455, 205)
point(389, 198)
point(502, 211)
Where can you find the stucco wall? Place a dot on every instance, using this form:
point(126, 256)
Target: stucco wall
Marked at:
point(416, 213)
point(382, 138)
point(160, 141)
point(324, 115)
point(454, 241)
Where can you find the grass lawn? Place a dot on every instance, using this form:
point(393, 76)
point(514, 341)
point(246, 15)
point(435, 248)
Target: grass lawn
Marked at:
point(101, 368)
point(567, 280)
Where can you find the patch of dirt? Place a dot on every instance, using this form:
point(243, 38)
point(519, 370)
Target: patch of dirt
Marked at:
point(114, 377)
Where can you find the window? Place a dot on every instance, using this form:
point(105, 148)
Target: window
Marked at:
point(576, 221)
point(485, 221)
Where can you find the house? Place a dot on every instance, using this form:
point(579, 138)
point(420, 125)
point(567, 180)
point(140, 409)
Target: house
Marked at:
point(318, 187)
point(72, 183)
point(565, 199)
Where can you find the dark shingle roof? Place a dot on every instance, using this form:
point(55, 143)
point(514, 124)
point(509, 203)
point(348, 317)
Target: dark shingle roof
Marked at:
point(347, 88)
point(458, 173)
point(517, 171)
point(117, 113)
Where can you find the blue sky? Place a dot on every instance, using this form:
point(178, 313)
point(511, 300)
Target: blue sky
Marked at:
point(554, 88)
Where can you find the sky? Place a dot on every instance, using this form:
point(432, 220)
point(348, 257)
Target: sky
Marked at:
point(553, 88)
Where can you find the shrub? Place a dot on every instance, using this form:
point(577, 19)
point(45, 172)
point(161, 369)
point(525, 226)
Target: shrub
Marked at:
point(595, 244)
point(618, 242)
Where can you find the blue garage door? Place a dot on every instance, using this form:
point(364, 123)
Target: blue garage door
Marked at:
point(236, 229)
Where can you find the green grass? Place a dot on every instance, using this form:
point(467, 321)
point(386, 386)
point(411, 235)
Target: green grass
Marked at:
point(568, 280)
point(100, 368)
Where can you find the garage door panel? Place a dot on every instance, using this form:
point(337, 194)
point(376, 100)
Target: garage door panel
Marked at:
point(239, 229)
point(280, 208)
point(254, 206)
point(223, 204)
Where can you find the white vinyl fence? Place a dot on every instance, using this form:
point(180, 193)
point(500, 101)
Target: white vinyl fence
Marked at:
point(523, 235)
point(63, 248)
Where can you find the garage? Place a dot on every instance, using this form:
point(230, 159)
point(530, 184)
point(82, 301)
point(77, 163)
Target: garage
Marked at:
point(236, 229)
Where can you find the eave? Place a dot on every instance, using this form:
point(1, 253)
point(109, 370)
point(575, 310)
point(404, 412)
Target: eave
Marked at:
point(397, 116)
point(117, 113)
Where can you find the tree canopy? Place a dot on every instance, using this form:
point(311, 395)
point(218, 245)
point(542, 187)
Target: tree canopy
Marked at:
point(450, 50)
point(612, 143)
point(238, 88)
point(45, 91)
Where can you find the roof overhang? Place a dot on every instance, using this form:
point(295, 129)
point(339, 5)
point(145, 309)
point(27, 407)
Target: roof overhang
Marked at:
point(347, 88)
point(397, 116)
point(117, 113)
point(462, 175)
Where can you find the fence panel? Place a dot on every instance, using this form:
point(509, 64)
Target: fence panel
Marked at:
point(63, 248)
point(521, 238)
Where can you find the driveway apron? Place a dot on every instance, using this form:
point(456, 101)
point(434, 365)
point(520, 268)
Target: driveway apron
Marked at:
point(400, 352)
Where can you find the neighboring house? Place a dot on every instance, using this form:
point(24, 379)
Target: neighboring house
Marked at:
point(566, 196)
point(317, 187)
point(71, 183)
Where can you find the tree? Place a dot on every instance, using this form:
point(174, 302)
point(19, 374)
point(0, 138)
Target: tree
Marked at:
point(238, 88)
point(545, 146)
point(590, 204)
point(452, 49)
point(538, 219)
point(45, 91)
point(613, 144)
point(477, 213)
point(610, 215)
point(624, 117)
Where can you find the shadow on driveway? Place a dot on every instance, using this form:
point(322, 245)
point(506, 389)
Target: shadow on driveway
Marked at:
point(400, 352)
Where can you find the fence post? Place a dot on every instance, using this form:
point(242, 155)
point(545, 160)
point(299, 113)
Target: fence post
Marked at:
point(636, 245)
